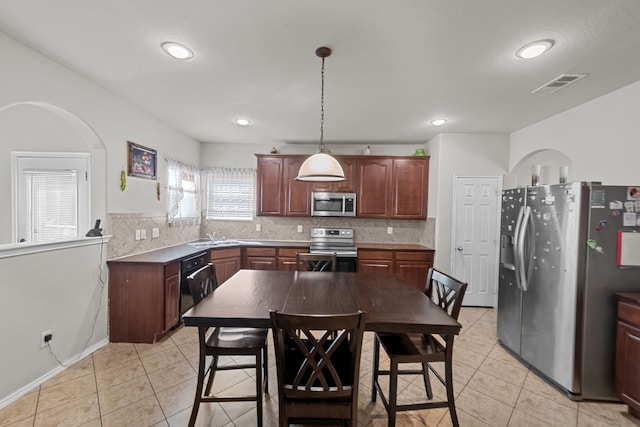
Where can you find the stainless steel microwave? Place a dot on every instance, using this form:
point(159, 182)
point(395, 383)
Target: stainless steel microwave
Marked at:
point(333, 204)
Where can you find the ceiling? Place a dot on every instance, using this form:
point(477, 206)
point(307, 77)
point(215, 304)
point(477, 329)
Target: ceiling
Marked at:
point(396, 64)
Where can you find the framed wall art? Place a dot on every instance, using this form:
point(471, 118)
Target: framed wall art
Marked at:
point(143, 161)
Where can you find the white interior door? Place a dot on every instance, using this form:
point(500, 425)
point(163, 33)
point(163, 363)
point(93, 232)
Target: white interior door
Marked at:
point(475, 238)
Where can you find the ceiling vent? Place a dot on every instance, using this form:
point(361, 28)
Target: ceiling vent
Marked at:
point(563, 80)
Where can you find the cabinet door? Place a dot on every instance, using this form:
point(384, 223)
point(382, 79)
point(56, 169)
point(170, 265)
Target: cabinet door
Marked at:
point(297, 196)
point(414, 266)
point(627, 366)
point(225, 268)
point(374, 184)
point(410, 188)
point(269, 188)
point(261, 263)
point(375, 266)
point(372, 261)
point(171, 301)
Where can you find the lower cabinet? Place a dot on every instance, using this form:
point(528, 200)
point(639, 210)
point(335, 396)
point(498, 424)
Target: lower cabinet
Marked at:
point(143, 300)
point(287, 258)
point(261, 259)
point(628, 352)
point(372, 261)
point(227, 262)
point(413, 266)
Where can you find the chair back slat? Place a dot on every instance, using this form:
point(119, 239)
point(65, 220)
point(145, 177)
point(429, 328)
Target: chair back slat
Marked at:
point(202, 282)
point(316, 262)
point(445, 291)
point(317, 357)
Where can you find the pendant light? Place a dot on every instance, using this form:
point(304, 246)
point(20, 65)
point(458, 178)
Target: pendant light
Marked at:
point(321, 166)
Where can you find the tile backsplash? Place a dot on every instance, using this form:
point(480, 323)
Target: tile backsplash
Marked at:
point(122, 227)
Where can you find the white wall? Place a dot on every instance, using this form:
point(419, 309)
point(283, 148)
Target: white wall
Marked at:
point(460, 155)
point(60, 290)
point(600, 137)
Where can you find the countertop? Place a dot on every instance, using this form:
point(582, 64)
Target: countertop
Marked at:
point(630, 297)
point(184, 250)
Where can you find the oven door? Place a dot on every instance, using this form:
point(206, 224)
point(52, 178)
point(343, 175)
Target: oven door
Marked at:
point(347, 263)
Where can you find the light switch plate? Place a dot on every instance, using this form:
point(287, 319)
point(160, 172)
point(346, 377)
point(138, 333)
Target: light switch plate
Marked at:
point(389, 230)
point(137, 234)
point(143, 234)
point(155, 233)
point(299, 229)
point(258, 227)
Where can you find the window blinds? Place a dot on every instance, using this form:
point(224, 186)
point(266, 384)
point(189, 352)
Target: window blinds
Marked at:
point(230, 193)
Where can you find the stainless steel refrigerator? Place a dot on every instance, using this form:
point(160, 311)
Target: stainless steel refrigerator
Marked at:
point(559, 251)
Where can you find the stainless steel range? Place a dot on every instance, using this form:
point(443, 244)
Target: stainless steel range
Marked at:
point(338, 241)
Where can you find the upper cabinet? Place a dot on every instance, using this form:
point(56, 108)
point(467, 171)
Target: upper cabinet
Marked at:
point(386, 186)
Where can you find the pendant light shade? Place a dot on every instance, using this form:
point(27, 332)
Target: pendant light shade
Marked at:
point(321, 166)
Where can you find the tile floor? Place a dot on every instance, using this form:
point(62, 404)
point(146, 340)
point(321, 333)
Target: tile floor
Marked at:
point(153, 385)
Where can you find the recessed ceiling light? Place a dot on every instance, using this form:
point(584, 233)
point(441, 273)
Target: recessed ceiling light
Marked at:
point(438, 122)
point(176, 50)
point(534, 49)
point(243, 122)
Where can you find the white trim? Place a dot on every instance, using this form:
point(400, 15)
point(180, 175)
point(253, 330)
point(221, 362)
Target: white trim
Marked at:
point(17, 249)
point(52, 373)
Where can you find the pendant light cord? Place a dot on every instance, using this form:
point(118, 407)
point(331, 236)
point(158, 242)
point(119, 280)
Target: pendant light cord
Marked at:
point(322, 150)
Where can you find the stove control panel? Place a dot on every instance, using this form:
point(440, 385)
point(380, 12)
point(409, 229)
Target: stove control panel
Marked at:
point(345, 233)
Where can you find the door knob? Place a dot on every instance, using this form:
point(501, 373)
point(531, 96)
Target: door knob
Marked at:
point(459, 248)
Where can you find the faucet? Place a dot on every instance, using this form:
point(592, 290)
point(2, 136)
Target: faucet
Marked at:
point(212, 236)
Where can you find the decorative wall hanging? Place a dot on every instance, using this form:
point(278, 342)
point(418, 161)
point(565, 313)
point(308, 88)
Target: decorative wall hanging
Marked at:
point(123, 180)
point(158, 191)
point(143, 161)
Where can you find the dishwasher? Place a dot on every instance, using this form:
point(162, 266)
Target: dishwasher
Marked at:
point(188, 266)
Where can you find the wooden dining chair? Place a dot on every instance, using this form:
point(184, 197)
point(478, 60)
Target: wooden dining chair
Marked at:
point(447, 292)
point(226, 341)
point(316, 262)
point(318, 365)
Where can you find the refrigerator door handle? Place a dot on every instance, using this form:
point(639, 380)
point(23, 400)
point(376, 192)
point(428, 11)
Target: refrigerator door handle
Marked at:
point(517, 261)
point(521, 269)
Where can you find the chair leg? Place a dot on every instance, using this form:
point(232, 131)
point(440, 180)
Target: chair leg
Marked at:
point(376, 367)
point(213, 367)
point(201, 374)
point(265, 362)
point(393, 392)
point(259, 386)
point(425, 377)
point(448, 367)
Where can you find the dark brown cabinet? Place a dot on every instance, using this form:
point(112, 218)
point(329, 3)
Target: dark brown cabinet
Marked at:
point(287, 258)
point(143, 300)
point(409, 184)
point(372, 261)
point(261, 259)
point(269, 194)
point(393, 187)
point(628, 352)
point(227, 262)
point(412, 265)
point(374, 187)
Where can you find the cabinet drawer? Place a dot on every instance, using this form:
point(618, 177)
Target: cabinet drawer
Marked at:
point(629, 313)
point(261, 251)
point(171, 269)
point(224, 253)
point(385, 255)
point(291, 252)
point(414, 256)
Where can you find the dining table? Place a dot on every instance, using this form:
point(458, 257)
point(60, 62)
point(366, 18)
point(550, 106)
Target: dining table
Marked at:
point(392, 305)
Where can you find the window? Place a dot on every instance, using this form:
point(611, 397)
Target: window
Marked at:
point(51, 192)
point(230, 193)
point(183, 194)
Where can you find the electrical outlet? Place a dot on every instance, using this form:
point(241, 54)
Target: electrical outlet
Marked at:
point(258, 227)
point(138, 234)
point(389, 230)
point(143, 234)
point(155, 233)
point(299, 229)
point(45, 338)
